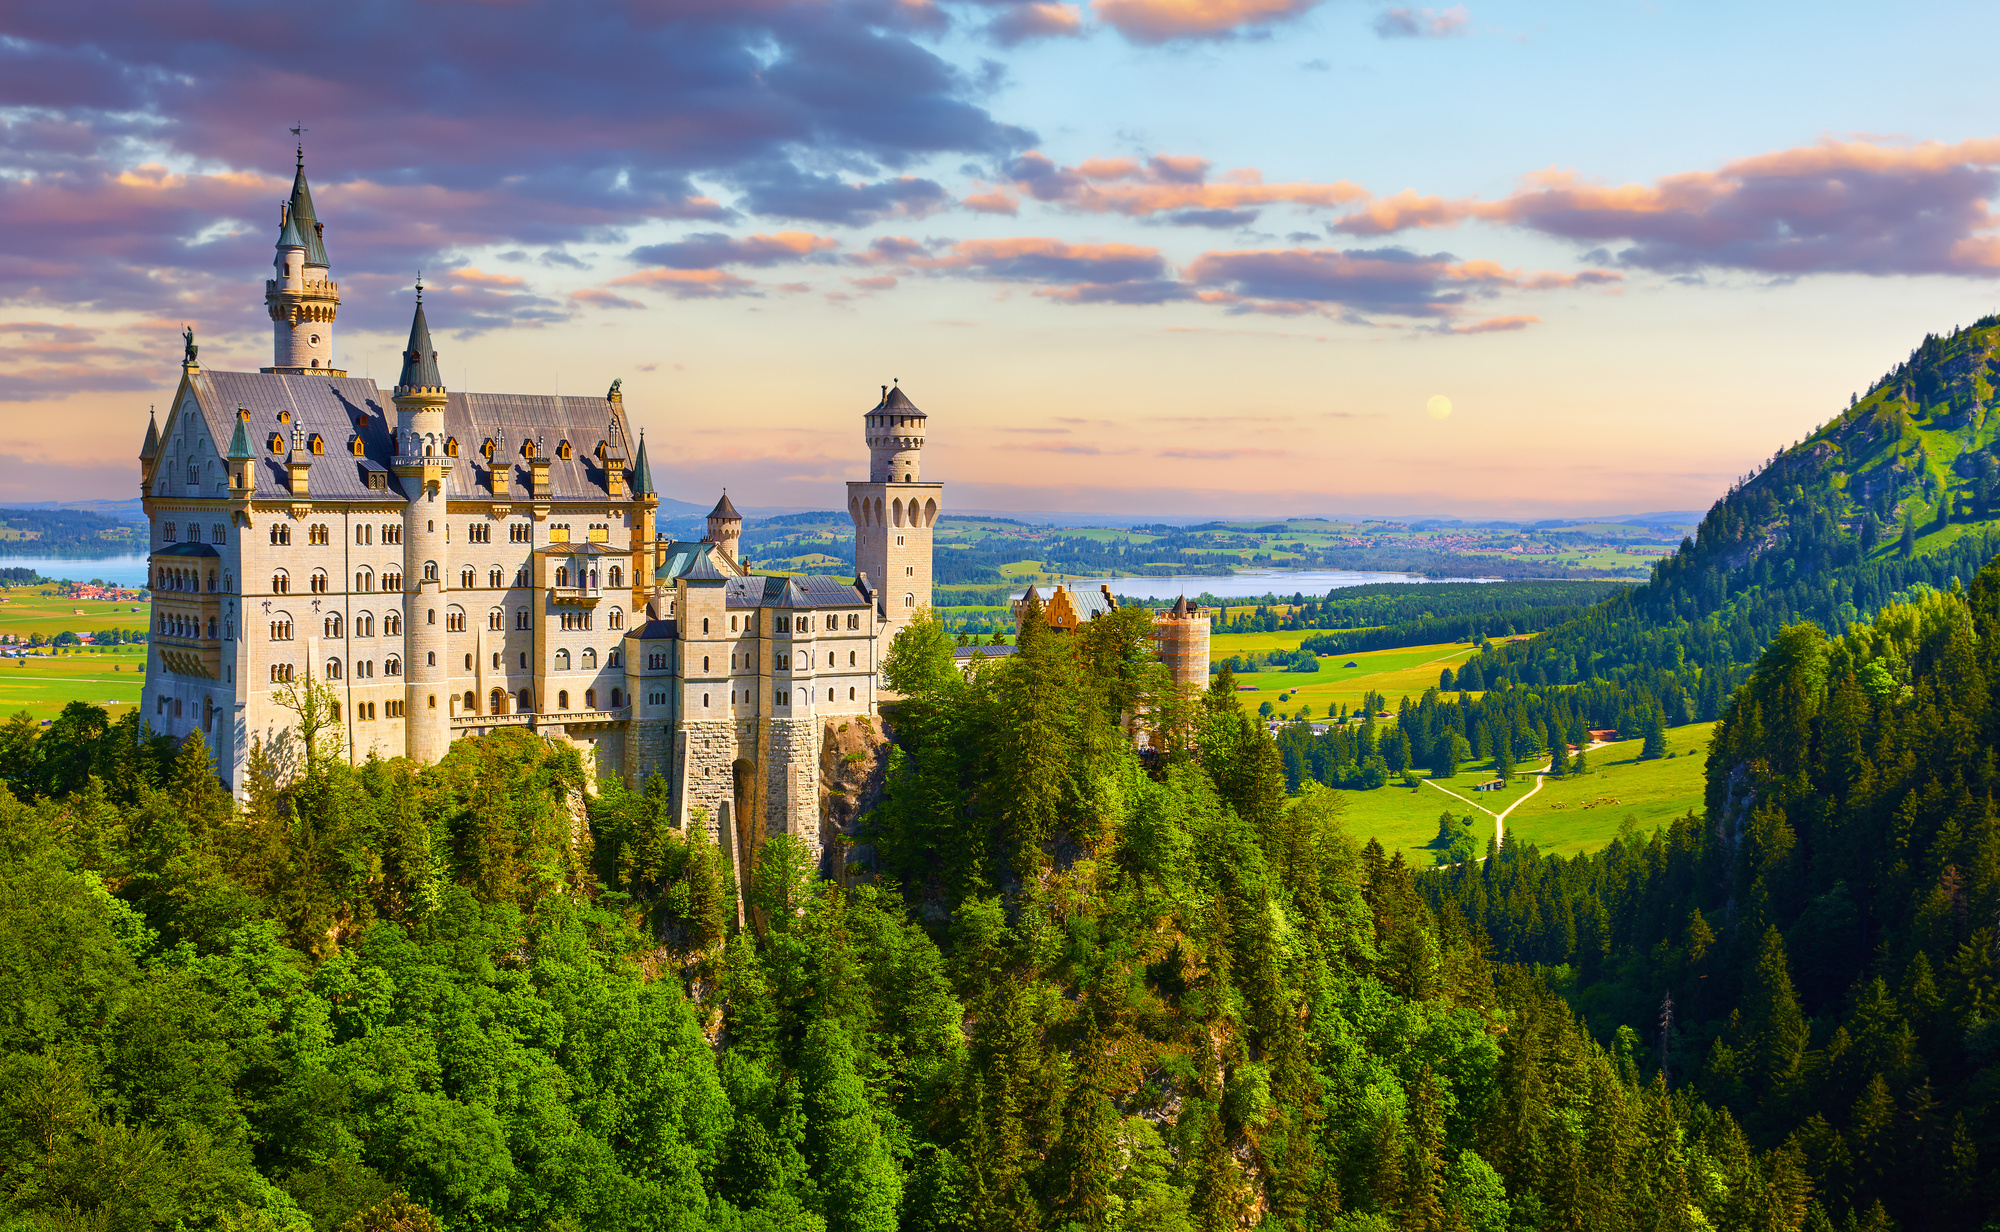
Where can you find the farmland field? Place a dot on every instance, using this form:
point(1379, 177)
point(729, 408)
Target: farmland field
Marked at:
point(43, 684)
point(26, 611)
point(1408, 670)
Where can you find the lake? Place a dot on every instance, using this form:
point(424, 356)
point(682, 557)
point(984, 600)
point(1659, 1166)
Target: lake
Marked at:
point(1313, 583)
point(129, 570)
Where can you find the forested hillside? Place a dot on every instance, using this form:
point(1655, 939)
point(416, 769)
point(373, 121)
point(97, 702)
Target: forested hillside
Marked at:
point(1899, 490)
point(1079, 990)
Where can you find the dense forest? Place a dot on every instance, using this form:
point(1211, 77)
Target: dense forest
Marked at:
point(1055, 984)
point(65, 532)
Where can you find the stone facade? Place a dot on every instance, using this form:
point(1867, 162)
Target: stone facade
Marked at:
point(450, 563)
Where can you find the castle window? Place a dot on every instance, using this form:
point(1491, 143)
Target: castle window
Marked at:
point(562, 451)
point(497, 699)
point(471, 702)
point(364, 579)
point(704, 624)
point(284, 417)
point(590, 699)
point(909, 601)
point(333, 669)
point(333, 625)
point(318, 445)
point(527, 699)
point(617, 577)
point(430, 616)
point(280, 584)
point(656, 662)
point(899, 541)
point(467, 578)
point(850, 695)
point(171, 529)
point(392, 532)
point(488, 450)
point(281, 629)
point(392, 624)
point(430, 571)
point(524, 659)
point(194, 471)
point(378, 481)
point(850, 658)
point(318, 534)
point(617, 699)
point(704, 701)
point(496, 619)
point(562, 699)
point(354, 445)
point(562, 575)
point(704, 664)
point(451, 451)
point(909, 571)
point(854, 620)
point(364, 624)
point(276, 444)
point(454, 620)
point(589, 657)
point(494, 577)
point(431, 658)
point(617, 618)
point(520, 532)
point(281, 535)
point(562, 660)
point(319, 581)
point(520, 618)
point(392, 580)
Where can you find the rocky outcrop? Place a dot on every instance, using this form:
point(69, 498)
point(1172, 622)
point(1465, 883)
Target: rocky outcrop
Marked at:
point(853, 763)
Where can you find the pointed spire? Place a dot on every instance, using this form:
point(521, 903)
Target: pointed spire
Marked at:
point(724, 511)
point(1181, 607)
point(420, 368)
point(642, 471)
point(239, 443)
point(299, 217)
point(151, 449)
point(288, 235)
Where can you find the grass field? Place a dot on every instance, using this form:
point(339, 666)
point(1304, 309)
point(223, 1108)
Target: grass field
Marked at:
point(1567, 817)
point(27, 611)
point(43, 684)
point(1393, 673)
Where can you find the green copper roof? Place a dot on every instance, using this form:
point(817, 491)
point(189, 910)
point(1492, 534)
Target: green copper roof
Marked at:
point(301, 215)
point(239, 442)
point(642, 472)
point(420, 362)
point(289, 237)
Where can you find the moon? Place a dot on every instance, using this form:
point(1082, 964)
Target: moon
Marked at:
point(1439, 406)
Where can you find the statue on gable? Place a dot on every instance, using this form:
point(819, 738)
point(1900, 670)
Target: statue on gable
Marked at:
point(187, 341)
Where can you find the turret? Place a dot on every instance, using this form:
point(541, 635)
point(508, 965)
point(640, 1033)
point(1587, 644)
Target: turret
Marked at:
point(895, 434)
point(242, 459)
point(302, 299)
point(298, 464)
point(725, 526)
point(149, 452)
point(646, 499)
point(424, 468)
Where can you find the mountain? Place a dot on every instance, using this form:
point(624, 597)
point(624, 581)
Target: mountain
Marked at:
point(1898, 490)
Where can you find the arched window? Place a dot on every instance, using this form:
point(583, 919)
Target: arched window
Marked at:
point(318, 581)
point(392, 624)
point(589, 657)
point(364, 578)
point(470, 702)
point(496, 618)
point(392, 666)
point(521, 618)
point(454, 620)
point(617, 577)
point(494, 577)
point(617, 698)
point(467, 579)
point(318, 445)
point(562, 451)
point(617, 618)
point(909, 601)
point(562, 699)
point(281, 628)
point(451, 451)
point(527, 699)
point(281, 583)
point(430, 571)
point(391, 580)
point(364, 624)
point(496, 700)
point(333, 669)
point(562, 660)
point(562, 575)
point(218, 533)
point(590, 699)
point(318, 534)
point(704, 624)
point(850, 695)
point(333, 625)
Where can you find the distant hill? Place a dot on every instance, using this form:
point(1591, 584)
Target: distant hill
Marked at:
point(129, 510)
point(65, 532)
point(1902, 488)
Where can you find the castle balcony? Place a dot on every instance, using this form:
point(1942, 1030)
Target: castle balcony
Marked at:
point(575, 596)
point(196, 657)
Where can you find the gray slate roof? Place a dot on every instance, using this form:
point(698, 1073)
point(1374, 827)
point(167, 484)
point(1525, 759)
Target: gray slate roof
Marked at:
point(807, 593)
point(340, 407)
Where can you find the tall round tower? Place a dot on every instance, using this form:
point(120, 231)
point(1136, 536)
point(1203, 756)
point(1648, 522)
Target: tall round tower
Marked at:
point(895, 434)
point(423, 467)
point(725, 526)
point(303, 299)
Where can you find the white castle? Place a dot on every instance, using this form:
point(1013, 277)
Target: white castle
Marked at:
point(452, 563)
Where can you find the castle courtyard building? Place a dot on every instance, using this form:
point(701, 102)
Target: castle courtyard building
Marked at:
point(450, 563)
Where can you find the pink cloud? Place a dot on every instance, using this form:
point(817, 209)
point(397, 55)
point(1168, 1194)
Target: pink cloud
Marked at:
point(604, 299)
point(689, 284)
point(1023, 22)
point(1165, 184)
point(1834, 207)
point(1163, 21)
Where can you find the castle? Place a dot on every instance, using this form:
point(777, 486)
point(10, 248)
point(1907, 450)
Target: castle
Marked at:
point(452, 563)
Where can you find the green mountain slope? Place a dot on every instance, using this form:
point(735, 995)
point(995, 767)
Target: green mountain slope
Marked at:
point(1897, 491)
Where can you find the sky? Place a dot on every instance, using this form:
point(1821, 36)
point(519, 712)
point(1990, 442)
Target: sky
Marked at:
point(1166, 257)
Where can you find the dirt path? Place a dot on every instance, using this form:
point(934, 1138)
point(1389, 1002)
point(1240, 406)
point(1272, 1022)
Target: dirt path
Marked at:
point(1500, 818)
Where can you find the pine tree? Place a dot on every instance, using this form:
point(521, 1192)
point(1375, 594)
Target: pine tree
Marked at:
point(858, 1179)
point(1655, 746)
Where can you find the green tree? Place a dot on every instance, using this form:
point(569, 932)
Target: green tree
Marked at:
point(1655, 745)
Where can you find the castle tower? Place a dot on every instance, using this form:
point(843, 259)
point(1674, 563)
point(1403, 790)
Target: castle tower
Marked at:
point(303, 299)
point(894, 512)
point(645, 516)
point(725, 526)
point(1181, 636)
point(421, 463)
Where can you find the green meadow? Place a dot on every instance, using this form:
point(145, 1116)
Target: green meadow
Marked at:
point(43, 684)
point(24, 610)
point(1407, 670)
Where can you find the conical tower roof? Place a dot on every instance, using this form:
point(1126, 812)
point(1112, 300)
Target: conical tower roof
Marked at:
point(151, 448)
point(239, 442)
point(1180, 606)
point(894, 399)
point(301, 217)
point(724, 510)
point(420, 362)
point(288, 235)
point(642, 471)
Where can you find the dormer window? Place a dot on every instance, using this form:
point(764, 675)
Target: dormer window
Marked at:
point(378, 481)
point(354, 445)
point(488, 449)
point(318, 445)
point(562, 451)
point(284, 417)
point(451, 447)
point(276, 444)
